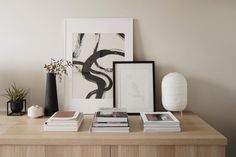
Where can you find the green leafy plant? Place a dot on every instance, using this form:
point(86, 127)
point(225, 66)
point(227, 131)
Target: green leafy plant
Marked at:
point(15, 94)
point(59, 67)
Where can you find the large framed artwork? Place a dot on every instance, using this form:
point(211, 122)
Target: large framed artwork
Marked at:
point(134, 86)
point(92, 45)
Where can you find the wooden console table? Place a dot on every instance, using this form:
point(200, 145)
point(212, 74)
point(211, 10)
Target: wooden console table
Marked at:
point(23, 137)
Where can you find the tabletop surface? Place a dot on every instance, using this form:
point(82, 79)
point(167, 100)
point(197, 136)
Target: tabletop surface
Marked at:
point(24, 130)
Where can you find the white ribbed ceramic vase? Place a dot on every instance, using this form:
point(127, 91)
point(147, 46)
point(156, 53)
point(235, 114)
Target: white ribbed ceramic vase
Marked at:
point(174, 92)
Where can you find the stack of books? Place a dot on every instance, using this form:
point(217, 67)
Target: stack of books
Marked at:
point(64, 121)
point(110, 120)
point(160, 122)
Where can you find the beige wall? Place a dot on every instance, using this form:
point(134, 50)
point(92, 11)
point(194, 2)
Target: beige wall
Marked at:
point(194, 37)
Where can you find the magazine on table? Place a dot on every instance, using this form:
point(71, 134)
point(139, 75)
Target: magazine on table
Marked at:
point(65, 115)
point(159, 118)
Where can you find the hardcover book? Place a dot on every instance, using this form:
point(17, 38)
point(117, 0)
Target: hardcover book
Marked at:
point(51, 127)
point(160, 122)
point(113, 117)
point(65, 115)
point(64, 121)
point(159, 118)
point(108, 110)
point(175, 129)
point(74, 122)
point(110, 129)
point(108, 124)
point(95, 123)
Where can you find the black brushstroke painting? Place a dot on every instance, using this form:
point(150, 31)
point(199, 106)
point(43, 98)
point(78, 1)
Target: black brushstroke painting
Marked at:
point(99, 75)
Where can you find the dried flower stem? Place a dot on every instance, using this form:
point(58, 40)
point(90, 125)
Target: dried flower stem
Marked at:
point(59, 67)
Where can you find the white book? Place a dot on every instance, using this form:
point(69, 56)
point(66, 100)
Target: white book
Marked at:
point(49, 122)
point(56, 128)
point(61, 128)
point(109, 129)
point(162, 126)
point(104, 124)
point(162, 129)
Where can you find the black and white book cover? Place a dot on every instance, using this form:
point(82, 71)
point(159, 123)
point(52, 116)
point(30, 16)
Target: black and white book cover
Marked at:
point(158, 118)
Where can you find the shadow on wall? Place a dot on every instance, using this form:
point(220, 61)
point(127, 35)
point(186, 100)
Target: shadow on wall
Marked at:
point(138, 46)
point(216, 105)
point(34, 80)
point(211, 101)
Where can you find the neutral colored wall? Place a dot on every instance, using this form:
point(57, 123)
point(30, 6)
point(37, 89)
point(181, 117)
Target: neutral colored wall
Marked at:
point(194, 37)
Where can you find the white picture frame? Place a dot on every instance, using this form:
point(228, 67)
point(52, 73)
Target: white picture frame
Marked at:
point(134, 86)
point(90, 27)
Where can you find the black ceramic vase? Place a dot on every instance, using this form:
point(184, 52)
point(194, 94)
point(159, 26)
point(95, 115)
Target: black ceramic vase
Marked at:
point(51, 103)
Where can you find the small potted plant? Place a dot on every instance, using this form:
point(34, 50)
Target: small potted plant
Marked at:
point(16, 97)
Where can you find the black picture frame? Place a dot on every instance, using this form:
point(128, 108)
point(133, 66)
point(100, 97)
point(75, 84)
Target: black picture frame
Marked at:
point(115, 81)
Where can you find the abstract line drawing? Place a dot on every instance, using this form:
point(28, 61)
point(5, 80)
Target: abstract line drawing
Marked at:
point(94, 53)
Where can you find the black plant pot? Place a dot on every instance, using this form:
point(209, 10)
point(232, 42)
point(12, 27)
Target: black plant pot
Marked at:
point(51, 103)
point(16, 107)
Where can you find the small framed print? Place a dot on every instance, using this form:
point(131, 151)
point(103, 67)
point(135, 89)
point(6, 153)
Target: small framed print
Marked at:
point(134, 86)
